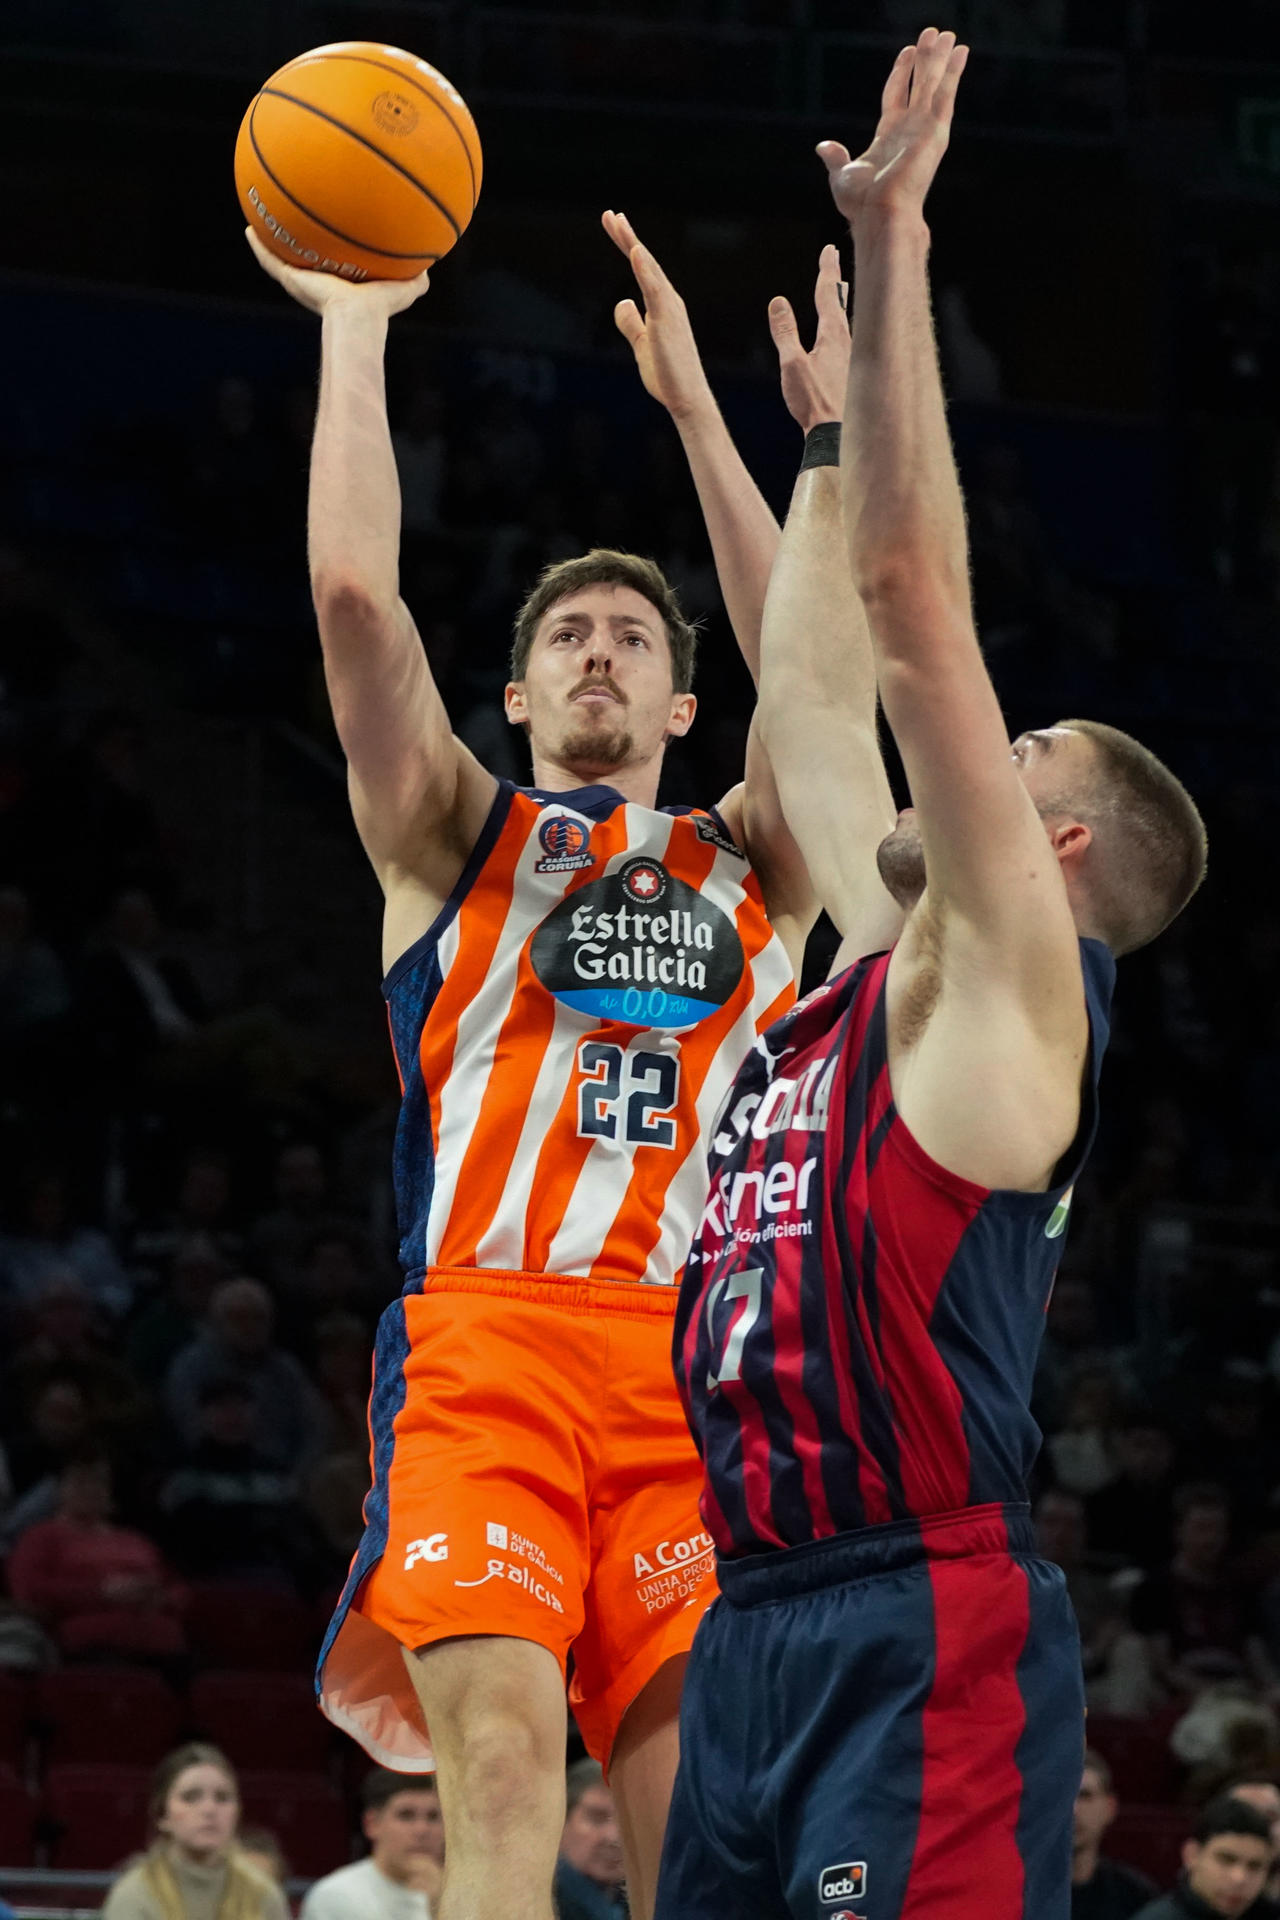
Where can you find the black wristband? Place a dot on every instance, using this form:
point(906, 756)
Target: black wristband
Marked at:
point(822, 445)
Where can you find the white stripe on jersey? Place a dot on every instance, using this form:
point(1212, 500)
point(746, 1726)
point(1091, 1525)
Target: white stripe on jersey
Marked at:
point(476, 1042)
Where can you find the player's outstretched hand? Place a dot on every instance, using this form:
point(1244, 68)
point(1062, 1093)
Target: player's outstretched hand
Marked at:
point(813, 383)
point(660, 337)
point(320, 291)
point(897, 169)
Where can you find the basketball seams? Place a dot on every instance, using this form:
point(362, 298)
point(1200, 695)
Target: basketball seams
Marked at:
point(383, 66)
point(348, 239)
point(363, 139)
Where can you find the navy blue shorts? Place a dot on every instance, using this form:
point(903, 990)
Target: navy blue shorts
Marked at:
point(887, 1725)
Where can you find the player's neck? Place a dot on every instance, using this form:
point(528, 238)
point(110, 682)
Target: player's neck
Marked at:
point(637, 782)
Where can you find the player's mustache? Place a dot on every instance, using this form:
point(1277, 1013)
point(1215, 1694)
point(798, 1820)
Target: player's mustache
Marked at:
point(593, 682)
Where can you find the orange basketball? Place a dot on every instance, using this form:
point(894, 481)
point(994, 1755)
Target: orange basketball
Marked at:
point(358, 159)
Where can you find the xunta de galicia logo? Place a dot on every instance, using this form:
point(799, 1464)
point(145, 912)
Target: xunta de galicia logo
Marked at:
point(639, 947)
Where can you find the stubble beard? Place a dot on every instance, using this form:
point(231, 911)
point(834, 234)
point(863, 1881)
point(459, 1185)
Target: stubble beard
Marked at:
point(596, 749)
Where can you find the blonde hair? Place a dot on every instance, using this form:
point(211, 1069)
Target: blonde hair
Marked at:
point(248, 1892)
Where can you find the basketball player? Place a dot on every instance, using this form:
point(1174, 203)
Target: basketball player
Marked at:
point(883, 1713)
point(572, 978)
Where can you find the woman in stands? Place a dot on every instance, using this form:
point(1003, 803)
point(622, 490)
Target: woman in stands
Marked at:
point(193, 1869)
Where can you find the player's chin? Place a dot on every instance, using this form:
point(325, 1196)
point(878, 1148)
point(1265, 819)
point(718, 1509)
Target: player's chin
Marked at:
point(597, 749)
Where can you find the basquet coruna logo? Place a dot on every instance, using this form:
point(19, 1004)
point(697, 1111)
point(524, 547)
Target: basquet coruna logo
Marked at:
point(639, 947)
point(566, 845)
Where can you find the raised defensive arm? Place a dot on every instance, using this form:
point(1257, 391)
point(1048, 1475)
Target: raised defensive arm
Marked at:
point(739, 521)
point(817, 713)
point(985, 848)
point(417, 794)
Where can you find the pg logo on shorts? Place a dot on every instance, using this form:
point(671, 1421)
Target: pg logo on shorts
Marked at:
point(848, 1881)
point(639, 947)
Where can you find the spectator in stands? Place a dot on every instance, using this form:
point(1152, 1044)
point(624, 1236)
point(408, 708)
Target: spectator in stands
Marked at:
point(589, 1873)
point(140, 996)
point(35, 999)
point(237, 1344)
point(1071, 1343)
point(229, 1510)
point(193, 1869)
point(1115, 1668)
point(172, 1318)
point(1198, 1627)
point(341, 1350)
point(300, 1189)
point(98, 1587)
point(261, 1849)
point(203, 1205)
point(49, 1245)
point(1261, 1790)
point(1130, 1520)
point(1225, 1866)
point(401, 1877)
point(1100, 1889)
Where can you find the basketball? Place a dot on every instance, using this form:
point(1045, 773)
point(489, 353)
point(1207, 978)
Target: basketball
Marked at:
point(358, 159)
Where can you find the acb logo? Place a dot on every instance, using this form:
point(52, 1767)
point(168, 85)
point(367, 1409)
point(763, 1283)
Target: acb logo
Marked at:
point(848, 1881)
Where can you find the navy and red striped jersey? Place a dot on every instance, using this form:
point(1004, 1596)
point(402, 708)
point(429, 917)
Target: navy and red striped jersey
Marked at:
point(858, 1328)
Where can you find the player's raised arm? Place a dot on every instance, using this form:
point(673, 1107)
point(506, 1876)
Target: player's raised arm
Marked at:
point(817, 713)
point(986, 852)
point(419, 797)
point(739, 521)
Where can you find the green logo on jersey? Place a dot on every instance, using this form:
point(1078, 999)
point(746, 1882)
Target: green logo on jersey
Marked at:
point(1058, 1219)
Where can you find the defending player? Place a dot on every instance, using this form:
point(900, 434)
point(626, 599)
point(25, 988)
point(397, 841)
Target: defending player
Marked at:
point(572, 978)
point(883, 1713)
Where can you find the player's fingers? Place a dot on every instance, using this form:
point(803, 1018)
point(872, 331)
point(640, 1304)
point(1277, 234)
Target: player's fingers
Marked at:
point(944, 98)
point(931, 64)
point(618, 228)
point(897, 88)
point(628, 320)
point(783, 329)
point(265, 257)
point(832, 155)
point(654, 284)
point(828, 294)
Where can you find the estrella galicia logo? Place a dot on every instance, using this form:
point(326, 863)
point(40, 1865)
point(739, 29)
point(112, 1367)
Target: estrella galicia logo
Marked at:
point(848, 1881)
point(566, 845)
point(639, 947)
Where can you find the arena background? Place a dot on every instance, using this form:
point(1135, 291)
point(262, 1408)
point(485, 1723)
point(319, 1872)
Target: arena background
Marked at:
point(1108, 290)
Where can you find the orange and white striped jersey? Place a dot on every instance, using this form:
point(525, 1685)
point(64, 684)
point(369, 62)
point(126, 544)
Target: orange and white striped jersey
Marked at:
point(565, 1032)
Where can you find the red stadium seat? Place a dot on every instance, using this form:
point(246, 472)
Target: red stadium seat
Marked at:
point(246, 1626)
point(98, 1814)
point(1150, 1839)
point(1137, 1751)
point(306, 1813)
point(15, 1704)
point(262, 1719)
point(17, 1821)
point(107, 1713)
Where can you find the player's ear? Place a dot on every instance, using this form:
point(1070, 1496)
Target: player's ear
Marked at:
point(683, 708)
point(517, 707)
point(1190, 1853)
point(1070, 840)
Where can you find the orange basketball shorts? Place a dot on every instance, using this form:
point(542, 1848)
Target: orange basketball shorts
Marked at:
point(532, 1476)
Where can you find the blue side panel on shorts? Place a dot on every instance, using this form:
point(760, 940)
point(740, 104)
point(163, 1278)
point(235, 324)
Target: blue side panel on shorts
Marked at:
point(390, 1354)
point(1051, 1750)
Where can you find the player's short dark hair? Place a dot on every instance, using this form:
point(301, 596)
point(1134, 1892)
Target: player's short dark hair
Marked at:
point(382, 1785)
point(607, 567)
point(579, 1777)
point(1094, 1762)
point(1148, 833)
point(1226, 1814)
